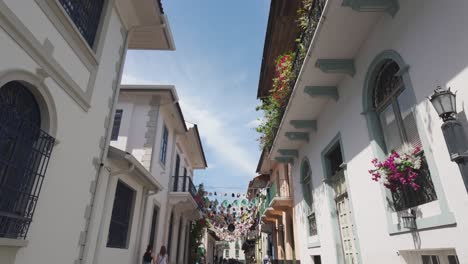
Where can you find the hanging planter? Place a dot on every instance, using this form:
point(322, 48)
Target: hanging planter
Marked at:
point(399, 170)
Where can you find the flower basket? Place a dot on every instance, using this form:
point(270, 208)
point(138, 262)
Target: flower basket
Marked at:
point(400, 170)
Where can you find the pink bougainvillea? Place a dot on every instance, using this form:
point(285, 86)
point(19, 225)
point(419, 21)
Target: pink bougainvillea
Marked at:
point(399, 170)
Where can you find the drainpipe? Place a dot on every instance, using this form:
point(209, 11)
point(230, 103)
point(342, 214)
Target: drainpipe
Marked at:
point(85, 246)
point(83, 255)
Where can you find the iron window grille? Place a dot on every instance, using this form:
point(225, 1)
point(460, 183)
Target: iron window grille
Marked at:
point(25, 151)
point(430, 259)
point(453, 259)
point(164, 141)
point(312, 224)
point(117, 122)
point(122, 211)
point(86, 15)
point(394, 108)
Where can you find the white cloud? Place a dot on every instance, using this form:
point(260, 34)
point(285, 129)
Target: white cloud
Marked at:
point(216, 133)
point(254, 123)
point(214, 129)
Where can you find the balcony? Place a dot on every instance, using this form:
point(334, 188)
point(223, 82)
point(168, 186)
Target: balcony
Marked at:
point(276, 202)
point(280, 200)
point(182, 194)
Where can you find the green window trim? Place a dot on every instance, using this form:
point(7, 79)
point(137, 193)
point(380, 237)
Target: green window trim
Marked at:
point(446, 217)
point(331, 200)
point(308, 202)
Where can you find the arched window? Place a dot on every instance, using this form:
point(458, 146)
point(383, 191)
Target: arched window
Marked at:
point(393, 105)
point(24, 155)
point(306, 182)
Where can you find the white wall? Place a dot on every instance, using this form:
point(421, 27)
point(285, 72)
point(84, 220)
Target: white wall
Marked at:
point(60, 213)
point(431, 37)
point(119, 255)
point(232, 251)
point(132, 138)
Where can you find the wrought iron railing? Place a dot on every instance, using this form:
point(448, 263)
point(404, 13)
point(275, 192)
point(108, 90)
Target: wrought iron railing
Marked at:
point(408, 197)
point(306, 36)
point(183, 184)
point(272, 192)
point(25, 151)
point(305, 39)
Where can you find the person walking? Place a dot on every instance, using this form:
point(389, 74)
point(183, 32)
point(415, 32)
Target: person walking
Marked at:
point(162, 256)
point(148, 257)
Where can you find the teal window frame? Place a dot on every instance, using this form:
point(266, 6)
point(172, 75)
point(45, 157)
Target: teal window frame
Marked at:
point(336, 141)
point(307, 193)
point(446, 217)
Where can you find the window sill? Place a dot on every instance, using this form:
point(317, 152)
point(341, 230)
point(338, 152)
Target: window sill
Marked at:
point(11, 242)
point(313, 244)
point(438, 221)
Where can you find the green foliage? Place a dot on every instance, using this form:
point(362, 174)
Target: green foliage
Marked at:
point(196, 232)
point(274, 105)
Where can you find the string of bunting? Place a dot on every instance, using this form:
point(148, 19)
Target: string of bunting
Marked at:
point(229, 219)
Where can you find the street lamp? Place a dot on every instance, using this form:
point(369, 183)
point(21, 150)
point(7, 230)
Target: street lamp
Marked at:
point(444, 102)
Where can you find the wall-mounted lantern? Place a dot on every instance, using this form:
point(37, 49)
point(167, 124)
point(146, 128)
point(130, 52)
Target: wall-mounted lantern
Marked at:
point(444, 102)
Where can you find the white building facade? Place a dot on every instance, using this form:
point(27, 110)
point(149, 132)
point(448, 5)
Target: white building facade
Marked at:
point(362, 90)
point(59, 80)
point(233, 250)
point(149, 125)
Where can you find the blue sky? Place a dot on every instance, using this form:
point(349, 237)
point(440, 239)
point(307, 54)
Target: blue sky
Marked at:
point(215, 69)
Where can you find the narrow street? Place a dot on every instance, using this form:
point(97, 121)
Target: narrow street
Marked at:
point(233, 132)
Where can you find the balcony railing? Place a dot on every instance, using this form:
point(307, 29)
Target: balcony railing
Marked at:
point(183, 184)
point(305, 39)
point(306, 36)
point(272, 193)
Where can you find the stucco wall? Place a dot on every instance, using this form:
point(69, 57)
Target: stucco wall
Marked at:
point(134, 137)
point(60, 213)
point(435, 50)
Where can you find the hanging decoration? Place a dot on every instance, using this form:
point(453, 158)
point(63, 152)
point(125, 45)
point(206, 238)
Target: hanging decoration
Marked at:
point(229, 219)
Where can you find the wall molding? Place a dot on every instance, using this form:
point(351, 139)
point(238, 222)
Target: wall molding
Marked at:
point(36, 50)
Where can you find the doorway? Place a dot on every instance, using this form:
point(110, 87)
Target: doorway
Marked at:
point(335, 177)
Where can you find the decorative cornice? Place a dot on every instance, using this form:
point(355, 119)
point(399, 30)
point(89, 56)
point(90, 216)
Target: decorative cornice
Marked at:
point(297, 136)
point(322, 91)
point(309, 124)
point(289, 152)
point(345, 66)
point(390, 7)
point(284, 159)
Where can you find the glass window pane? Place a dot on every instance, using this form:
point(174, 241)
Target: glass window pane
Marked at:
point(405, 103)
point(453, 259)
point(390, 129)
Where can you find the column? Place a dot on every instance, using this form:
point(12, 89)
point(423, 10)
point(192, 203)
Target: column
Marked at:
point(280, 239)
point(175, 233)
point(274, 235)
point(183, 237)
point(187, 242)
point(288, 235)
